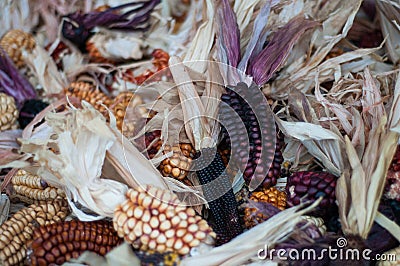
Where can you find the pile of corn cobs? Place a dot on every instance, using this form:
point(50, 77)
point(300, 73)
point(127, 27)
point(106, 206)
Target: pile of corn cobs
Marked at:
point(40, 229)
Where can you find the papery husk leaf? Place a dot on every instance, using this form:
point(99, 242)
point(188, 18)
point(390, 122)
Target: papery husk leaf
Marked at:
point(388, 224)
point(259, 35)
point(389, 15)
point(45, 70)
point(263, 65)
point(16, 15)
point(82, 141)
point(118, 46)
point(200, 47)
point(296, 75)
point(358, 187)
point(301, 107)
point(4, 208)
point(245, 246)
point(228, 34)
point(323, 144)
point(196, 125)
point(211, 98)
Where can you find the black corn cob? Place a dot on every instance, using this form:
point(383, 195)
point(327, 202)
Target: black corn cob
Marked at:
point(258, 136)
point(217, 189)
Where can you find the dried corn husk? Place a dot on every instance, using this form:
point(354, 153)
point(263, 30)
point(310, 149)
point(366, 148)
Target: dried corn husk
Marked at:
point(45, 70)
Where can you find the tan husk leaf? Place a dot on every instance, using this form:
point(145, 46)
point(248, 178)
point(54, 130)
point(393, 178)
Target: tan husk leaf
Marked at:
point(45, 69)
point(322, 143)
point(196, 125)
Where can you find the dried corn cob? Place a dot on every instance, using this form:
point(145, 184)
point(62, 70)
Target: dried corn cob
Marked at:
point(259, 130)
point(270, 195)
point(18, 230)
point(89, 93)
point(8, 112)
point(314, 185)
point(14, 42)
point(392, 257)
point(178, 165)
point(217, 189)
point(154, 219)
point(31, 188)
point(59, 242)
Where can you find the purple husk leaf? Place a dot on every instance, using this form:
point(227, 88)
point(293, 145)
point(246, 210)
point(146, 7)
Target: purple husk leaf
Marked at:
point(141, 13)
point(12, 82)
point(274, 55)
point(259, 36)
point(228, 40)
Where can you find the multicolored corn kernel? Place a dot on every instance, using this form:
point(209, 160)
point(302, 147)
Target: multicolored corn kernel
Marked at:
point(91, 94)
point(178, 165)
point(155, 219)
point(8, 112)
point(309, 186)
point(270, 195)
point(252, 136)
point(59, 242)
point(31, 188)
point(14, 42)
point(217, 189)
point(17, 231)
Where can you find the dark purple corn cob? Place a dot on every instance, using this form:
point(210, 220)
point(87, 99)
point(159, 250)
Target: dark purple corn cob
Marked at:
point(311, 186)
point(217, 189)
point(250, 129)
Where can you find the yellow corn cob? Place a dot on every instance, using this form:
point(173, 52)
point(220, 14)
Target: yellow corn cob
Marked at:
point(270, 195)
point(14, 42)
point(91, 94)
point(8, 112)
point(178, 165)
point(18, 230)
point(31, 188)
